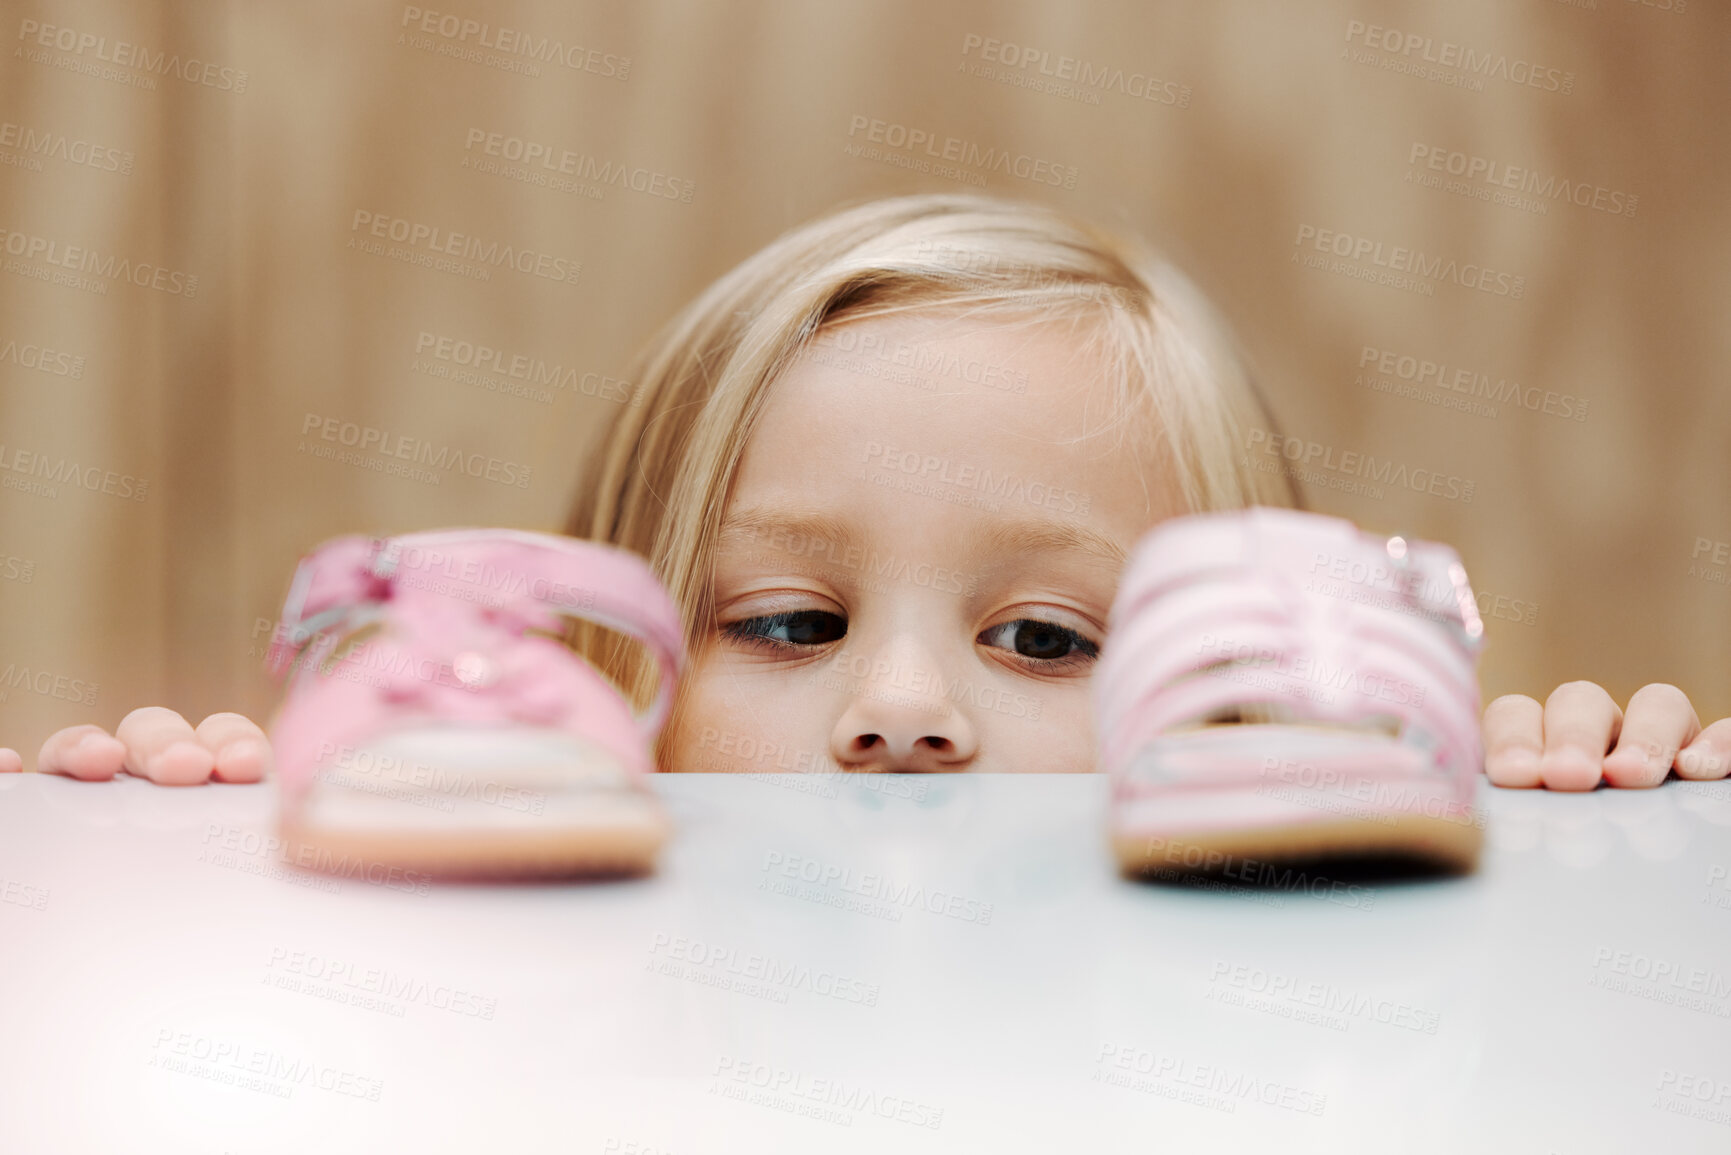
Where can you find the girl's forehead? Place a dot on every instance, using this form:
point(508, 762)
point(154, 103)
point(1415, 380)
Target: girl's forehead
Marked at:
point(1002, 369)
point(1003, 333)
point(950, 419)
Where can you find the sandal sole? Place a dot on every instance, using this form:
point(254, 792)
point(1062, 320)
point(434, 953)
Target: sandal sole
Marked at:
point(1219, 797)
point(1441, 843)
point(450, 802)
point(615, 850)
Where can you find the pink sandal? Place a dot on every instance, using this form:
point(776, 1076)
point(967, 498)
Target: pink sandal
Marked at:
point(436, 722)
point(1354, 658)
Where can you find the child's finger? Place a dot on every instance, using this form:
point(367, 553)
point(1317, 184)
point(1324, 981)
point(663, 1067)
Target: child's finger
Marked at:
point(87, 752)
point(10, 762)
point(242, 751)
point(161, 746)
point(1708, 757)
point(1658, 723)
point(1514, 729)
point(1581, 722)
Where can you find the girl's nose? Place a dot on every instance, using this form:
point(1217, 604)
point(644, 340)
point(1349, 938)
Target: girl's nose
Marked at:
point(888, 729)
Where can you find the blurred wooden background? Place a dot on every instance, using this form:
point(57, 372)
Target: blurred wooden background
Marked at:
point(164, 461)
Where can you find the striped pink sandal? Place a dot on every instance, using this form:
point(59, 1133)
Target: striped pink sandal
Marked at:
point(437, 722)
point(1280, 686)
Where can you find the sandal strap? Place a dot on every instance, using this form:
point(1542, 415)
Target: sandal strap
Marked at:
point(1295, 610)
point(530, 578)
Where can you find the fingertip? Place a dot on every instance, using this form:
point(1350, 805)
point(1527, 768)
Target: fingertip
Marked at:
point(87, 752)
point(1636, 768)
point(1699, 763)
point(180, 764)
point(243, 760)
point(95, 756)
point(227, 725)
point(1515, 767)
point(150, 717)
point(1582, 689)
point(1570, 768)
point(1514, 730)
point(10, 761)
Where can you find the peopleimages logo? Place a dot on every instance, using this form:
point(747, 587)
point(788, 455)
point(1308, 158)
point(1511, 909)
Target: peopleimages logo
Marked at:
point(419, 783)
point(1421, 371)
point(1711, 561)
point(405, 448)
point(47, 683)
point(1303, 668)
point(430, 241)
point(1322, 995)
point(829, 554)
point(541, 161)
point(769, 974)
point(351, 983)
point(1304, 458)
point(255, 1068)
point(925, 687)
point(30, 247)
point(57, 471)
point(1327, 787)
point(1700, 989)
point(531, 370)
point(922, 357)
point(1452, 63)
point(964, 475)
point(1066, 76)
point(23, 894)
point(42, 359)
point(1398, 259)
point(35, 143)
point(876, 888)
point(827, 1100)
point(924, 145)
point(133, 56)
point(1509, 184)
point(231, 840)
point(460, 33)
point(1217, 1087)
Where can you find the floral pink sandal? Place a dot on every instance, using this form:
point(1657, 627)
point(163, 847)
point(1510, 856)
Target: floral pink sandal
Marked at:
point(437, 722)
point(1349, 662)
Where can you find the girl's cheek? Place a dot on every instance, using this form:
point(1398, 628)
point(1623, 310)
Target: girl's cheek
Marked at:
point(744, 720)
point(737, 716)
point(1041, 729)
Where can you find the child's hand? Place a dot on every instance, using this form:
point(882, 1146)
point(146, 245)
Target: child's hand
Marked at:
point(157, 744)
point(1567, 744)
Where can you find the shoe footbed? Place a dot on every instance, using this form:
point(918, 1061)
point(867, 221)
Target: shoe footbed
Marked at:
point(453, 802)
point(1446, 843)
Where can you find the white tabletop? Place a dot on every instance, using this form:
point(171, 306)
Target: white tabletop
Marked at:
point(967, 973)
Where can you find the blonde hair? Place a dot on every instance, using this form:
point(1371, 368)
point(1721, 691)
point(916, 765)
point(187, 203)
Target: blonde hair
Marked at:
point(659, 483)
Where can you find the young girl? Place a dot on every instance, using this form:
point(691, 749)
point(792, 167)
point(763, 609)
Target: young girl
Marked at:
point(890, 468)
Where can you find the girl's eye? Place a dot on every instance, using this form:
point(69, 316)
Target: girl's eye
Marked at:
point(798, 628)
point(1041, 641)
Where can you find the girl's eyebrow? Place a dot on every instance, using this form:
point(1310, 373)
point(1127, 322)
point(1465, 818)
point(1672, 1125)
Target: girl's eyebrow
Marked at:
point(1012, 537)
point(1048, 535)
point(759, 522)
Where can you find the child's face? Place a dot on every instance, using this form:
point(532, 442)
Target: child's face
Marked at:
point(918, 556)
